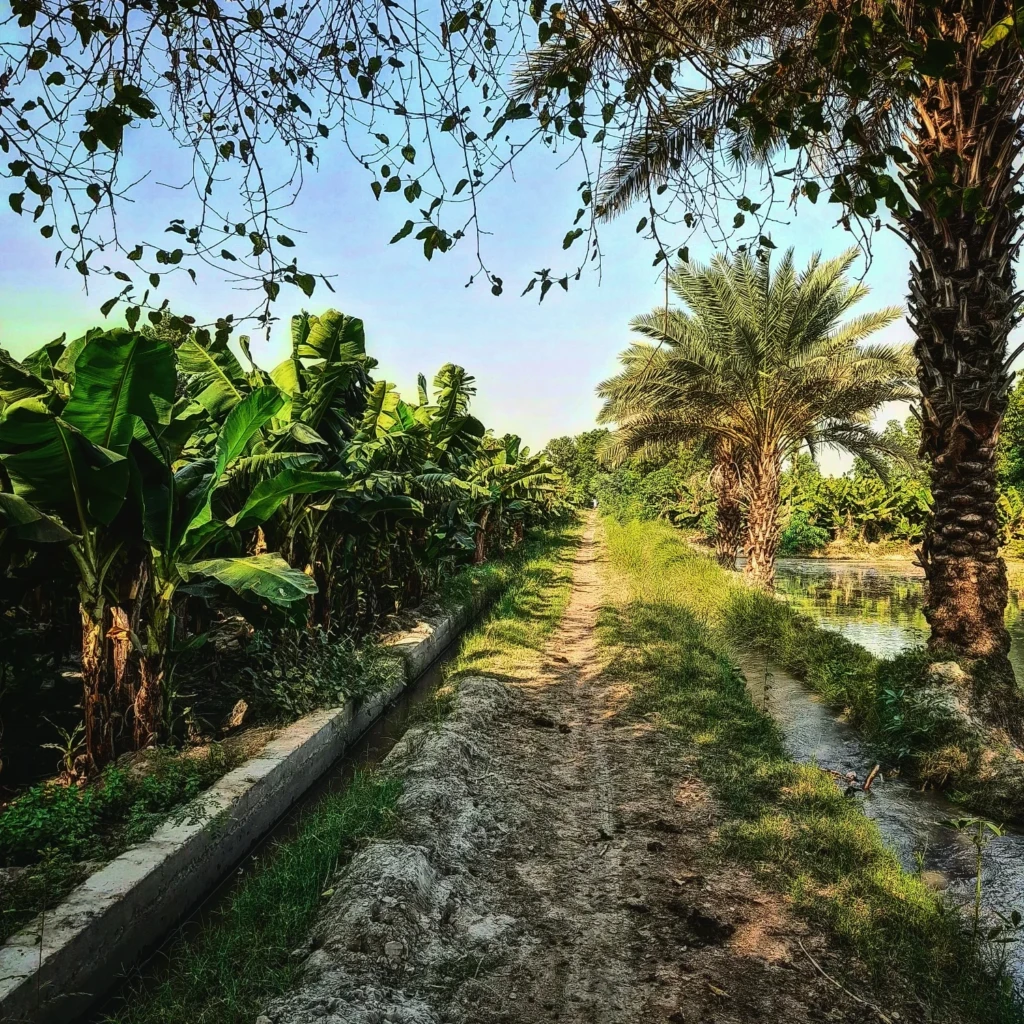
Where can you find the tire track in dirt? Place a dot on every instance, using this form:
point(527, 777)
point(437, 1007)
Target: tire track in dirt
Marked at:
point(552, 865)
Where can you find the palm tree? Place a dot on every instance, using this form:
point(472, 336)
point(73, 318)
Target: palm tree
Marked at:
point(913, 109)
point(762, 364)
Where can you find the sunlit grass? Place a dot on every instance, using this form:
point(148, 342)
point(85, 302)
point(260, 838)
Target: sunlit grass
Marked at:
point(510, 642)
point(789, 822)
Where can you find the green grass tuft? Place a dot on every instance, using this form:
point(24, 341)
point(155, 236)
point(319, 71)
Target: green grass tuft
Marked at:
point(509, 644)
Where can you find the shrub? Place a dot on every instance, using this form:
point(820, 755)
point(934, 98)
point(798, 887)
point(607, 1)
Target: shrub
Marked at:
point(288, 674)
point(123, 806)
point(801, 536)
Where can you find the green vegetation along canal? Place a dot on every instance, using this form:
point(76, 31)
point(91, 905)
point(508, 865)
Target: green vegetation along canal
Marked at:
point(878, 605)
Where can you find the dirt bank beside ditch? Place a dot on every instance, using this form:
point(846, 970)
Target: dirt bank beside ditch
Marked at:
point(552, 864)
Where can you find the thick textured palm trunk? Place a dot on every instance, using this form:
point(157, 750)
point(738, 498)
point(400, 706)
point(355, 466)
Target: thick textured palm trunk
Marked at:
point(725, 479)
point(763, 530)
point(965, 237)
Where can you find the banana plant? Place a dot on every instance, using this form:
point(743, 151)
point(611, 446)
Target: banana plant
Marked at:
point(64, 453)
point(188, 519)
point(509, 479)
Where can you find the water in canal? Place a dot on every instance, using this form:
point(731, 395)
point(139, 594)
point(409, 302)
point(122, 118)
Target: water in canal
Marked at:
point(878, 605)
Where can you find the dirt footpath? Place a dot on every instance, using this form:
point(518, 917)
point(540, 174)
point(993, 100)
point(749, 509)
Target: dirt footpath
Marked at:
point(551, 865)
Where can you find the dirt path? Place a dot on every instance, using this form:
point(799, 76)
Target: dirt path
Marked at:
point(552, 865)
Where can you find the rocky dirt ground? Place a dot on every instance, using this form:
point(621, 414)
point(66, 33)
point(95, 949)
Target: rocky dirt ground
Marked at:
point(552, 865)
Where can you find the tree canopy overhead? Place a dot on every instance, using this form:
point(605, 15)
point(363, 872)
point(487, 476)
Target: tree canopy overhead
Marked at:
point(250, 92)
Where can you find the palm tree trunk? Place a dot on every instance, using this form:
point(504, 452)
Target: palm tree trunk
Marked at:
point(763, 530)
point(725, 479)
point(962, 300)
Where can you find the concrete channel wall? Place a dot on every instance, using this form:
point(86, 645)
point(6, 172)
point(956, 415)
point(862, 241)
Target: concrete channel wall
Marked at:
point(55, 970)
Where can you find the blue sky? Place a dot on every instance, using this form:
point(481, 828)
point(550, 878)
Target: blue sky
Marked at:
point(536, 365)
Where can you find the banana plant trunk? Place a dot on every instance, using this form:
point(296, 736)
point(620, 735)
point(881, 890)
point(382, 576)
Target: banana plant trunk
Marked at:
point(725, 480)
point(961, 309)
point(480, 553)
point(149, 697)
point(97, 706)
point(763, 530)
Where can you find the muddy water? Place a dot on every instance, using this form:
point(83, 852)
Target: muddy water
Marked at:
point(878, 605)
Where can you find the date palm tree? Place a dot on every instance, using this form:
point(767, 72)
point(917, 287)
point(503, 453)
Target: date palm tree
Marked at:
point(761, 364)
point(908, 111)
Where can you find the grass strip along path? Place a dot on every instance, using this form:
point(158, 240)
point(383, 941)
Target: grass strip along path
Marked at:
point(787, 822)
point(224, 972)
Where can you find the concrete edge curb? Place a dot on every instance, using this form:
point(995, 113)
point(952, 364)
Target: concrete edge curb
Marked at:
point(129, 904)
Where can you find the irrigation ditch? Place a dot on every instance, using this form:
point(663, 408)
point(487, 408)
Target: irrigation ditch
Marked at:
point(62, 965)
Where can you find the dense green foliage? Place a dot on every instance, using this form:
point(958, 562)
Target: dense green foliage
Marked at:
point(758, 361)
point(50, 829)
point(859, 511)
point(578, 458)
point(180, 500)
point(787, 821)
point(859, 507)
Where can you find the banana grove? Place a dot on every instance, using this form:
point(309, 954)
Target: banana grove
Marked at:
point(149, 480)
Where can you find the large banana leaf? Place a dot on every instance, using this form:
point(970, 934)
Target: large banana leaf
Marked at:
point(381, 409)
point(54, 466)
point(194, 525)
point(268, 496)
point(41, 362)
point(243, 422)
point(326, 336)
point(28, 523)
point(453, 389)
point(120, 375)
point(402, 504)
point(17, 382)
point(268, 576)
point(287, 377)
point(216, 378)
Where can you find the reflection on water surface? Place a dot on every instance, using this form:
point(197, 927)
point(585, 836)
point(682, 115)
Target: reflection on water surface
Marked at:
point(877, 604)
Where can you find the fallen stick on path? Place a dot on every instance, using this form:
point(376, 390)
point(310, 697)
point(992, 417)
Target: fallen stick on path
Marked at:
point(855, 998)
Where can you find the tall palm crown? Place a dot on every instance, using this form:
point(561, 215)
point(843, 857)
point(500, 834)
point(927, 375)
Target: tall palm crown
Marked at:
point(905, 110)
point(765, 362)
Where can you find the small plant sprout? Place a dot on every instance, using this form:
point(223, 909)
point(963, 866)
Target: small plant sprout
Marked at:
point(70, 746)
point(979, 833)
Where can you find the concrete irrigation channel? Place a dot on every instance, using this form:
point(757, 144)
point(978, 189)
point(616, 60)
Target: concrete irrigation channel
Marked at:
point(61, 965)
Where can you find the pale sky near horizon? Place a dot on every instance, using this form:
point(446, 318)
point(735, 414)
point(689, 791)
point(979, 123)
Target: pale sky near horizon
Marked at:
point(536, 365)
